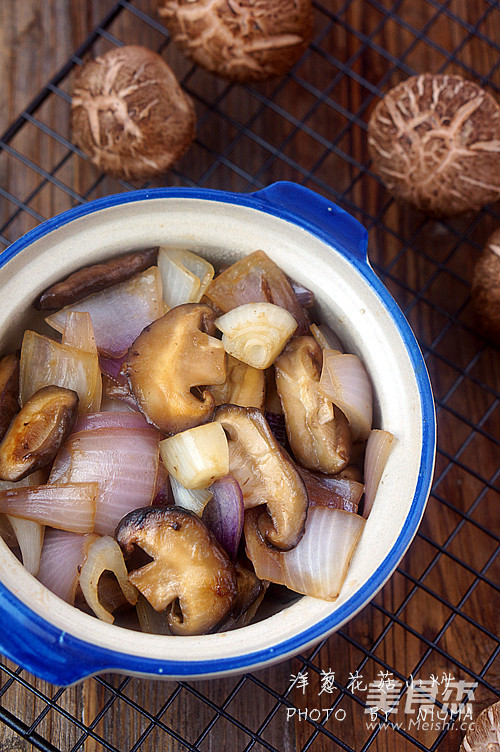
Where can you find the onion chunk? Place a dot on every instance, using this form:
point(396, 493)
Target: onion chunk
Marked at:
point(197, 457)
point(104, 555)
point(256, 333)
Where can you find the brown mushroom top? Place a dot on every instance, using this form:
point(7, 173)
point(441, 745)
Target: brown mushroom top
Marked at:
point(265, 473)
point(172, 355)
point(242, 40)
point(190, 572)
point(318, 431)
point(486, 288)
point(130, 115)
point(435, 142)
point(37, 432)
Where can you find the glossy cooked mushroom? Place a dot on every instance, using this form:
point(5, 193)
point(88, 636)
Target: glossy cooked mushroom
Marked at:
point(37, 432)
point(264, 473)
point(9, 390)
point(94, 278)
point(318, 431)
point(171, 356)
point(190, 574)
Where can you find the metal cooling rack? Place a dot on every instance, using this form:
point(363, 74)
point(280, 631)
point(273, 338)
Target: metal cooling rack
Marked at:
point(439, 614)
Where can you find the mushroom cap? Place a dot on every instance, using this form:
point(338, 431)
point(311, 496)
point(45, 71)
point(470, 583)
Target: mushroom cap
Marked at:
point(130, 115)
point(484, 734)
point(486, 288)
point(241, 40)
point(435, 142)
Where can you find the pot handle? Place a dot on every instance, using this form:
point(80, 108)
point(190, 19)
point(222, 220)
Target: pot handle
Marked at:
point(320, 216)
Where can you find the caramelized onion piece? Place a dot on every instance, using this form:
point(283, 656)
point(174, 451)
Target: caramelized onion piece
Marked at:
point(9, 390)
point(94, 278)
point(264, 473)
point(174, 354)
point(65, 506)
point(332, 491)
point(104, 555)
point(256, 279)
point(37, 432)
point(190, 572)
point(318, 431)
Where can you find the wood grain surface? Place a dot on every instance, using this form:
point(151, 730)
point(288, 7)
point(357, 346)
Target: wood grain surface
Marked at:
point(430, 619)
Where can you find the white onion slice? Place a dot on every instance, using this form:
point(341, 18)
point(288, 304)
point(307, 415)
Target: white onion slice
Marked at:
point(256, 333)
point(326, 337)
point(185, 276)
point(29, 534)
point(78, 332)
point(63, 554)
point(318, 565)
point(193, 499)
point(119, 313)
point(69, 506)
point(378, 448)
point(45, 362)
point(123, 462)
point(346, 383)
point(198, 456)
point(104, 555)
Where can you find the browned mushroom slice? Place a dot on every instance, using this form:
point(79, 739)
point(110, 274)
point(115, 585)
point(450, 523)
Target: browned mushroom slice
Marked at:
point(190, 574)
point(174, 354)
point(9, 390)
point(251, 591)
point(264, 473)
point(255, 279)
point(94, 278)
point(37, 432)
point(318, 431)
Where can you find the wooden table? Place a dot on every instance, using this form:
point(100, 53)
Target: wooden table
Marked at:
point(439, 613)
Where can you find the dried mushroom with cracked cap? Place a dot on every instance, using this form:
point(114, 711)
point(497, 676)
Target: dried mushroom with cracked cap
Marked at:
point(435, 141)
point(130, 115)
point(174, 354)
point(242, 40)
point(317, 430)
point(190, 574)
point(486, 288)
point(264, 473)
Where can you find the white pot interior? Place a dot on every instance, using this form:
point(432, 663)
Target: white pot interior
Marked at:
point(222, 232)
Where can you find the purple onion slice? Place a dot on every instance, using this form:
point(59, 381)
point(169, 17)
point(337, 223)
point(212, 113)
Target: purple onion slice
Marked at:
point(223, 514)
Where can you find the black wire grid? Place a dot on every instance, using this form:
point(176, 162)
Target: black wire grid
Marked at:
point(438, 616)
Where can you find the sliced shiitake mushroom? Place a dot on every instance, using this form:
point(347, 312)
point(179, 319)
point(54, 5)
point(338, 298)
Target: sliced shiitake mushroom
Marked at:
point(244, 385)
point(9, 390)
point(265, 474)
point(174, 354)
point(37, 432)
point(250, 593)
point(95, 278)
point(318, 431)
point(484, 734)
point(190, 574)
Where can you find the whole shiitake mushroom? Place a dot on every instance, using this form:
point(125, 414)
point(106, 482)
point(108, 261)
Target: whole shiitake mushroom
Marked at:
point(435, 142)
point(130, 115)
point(241, 40)
point(486, 288)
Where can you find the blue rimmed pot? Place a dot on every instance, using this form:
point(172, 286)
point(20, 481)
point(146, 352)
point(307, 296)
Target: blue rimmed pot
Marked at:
point(323, 248)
